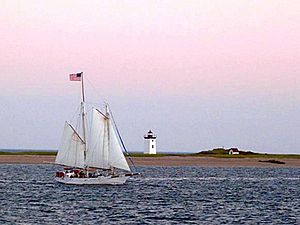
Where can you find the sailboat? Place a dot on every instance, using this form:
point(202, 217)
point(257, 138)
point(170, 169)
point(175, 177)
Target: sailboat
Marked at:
point(100, 160)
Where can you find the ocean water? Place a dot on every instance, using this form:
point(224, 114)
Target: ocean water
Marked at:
point(164, 195)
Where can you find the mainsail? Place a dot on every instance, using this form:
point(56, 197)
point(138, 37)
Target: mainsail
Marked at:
point(97, 154)
point(71, 151)
point(104, 149)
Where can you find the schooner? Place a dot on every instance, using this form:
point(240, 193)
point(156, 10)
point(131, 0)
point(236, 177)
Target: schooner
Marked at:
point(98, 161)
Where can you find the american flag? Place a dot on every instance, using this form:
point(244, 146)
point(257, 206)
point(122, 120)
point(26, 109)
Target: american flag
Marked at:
point(75, 76)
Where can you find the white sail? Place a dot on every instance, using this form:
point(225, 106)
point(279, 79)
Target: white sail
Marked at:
point(97, 154)
point(71, 151)
point(116, 157)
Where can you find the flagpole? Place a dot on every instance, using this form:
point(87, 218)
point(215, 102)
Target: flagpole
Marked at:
point(82, 88)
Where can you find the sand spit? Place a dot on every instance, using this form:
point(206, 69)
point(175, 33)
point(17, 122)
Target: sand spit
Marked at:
point(166, 161)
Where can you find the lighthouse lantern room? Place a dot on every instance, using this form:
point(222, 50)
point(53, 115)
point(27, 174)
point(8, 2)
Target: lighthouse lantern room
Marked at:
point(150, 143)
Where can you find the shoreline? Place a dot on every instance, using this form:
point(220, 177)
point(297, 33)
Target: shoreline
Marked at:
point(168, 161)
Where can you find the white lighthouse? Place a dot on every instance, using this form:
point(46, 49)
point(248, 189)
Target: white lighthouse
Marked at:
point(150, 143)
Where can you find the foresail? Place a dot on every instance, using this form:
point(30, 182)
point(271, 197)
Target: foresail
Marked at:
point(116, 157)
point(97, 154)
point(71, 151)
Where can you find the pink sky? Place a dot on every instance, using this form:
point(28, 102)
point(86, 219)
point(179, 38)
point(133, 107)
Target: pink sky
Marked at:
point(226, 51)
point(162, 46)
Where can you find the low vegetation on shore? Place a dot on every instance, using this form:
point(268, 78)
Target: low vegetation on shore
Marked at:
point(223, 153)
point(217, 153)
point(28, 153)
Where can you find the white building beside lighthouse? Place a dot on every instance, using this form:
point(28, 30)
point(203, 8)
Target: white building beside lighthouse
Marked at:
point(150, 143)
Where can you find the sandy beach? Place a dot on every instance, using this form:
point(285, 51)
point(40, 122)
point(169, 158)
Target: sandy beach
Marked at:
point(166, 161)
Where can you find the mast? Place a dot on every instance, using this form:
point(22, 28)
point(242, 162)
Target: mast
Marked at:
point(112, 169)
point(83, 116)
point(82, 88)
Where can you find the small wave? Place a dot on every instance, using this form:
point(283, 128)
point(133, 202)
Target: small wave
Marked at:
point(13, 181)
point(181, 178)
point(264, 178)
point(217, 178)
point(166, 178)
point(33, 182)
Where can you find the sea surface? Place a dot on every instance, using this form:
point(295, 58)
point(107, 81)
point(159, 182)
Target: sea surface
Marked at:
point(164, 195)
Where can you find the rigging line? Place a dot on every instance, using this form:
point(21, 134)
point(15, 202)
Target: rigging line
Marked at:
point(129, 157)
point(93, 87)
point(92, 103)
point(78, 122)
point(76, 112)
point(88, 110)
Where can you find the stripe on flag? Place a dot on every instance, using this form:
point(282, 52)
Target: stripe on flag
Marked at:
point(75, 76)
